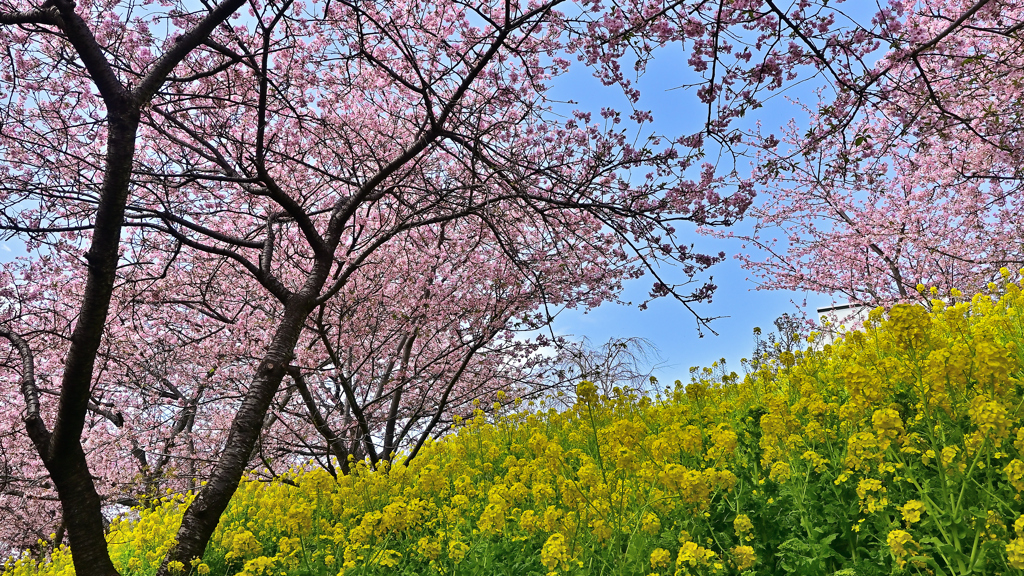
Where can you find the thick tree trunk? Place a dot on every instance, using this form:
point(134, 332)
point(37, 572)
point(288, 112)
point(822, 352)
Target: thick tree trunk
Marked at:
point(83, 514)
point(61, 450)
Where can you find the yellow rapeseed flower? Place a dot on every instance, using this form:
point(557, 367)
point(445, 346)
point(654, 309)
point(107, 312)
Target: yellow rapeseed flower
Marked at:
point(1015, 553)
point(742, 525)
point(902, 545)
point(457, 550)
point(554, 554)
point(651, 524)
point(744, 557)
point(660, 558)
point(780, 472)
point(912, 511)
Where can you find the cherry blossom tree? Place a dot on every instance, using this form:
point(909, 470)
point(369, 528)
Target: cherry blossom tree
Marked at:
point(59, 133)
point(177, 353)
point(909, 172)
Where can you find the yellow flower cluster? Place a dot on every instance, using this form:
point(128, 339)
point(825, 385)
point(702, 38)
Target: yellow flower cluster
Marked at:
point(744, 557)
point(555, 555)
point(902, 545)
point(911, 511)
point(693, 555)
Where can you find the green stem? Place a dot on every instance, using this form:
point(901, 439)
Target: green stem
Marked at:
point(804, 521)
point(974, 551)
point(597, 441)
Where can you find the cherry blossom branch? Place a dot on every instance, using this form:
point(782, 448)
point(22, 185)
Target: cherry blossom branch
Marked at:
point(390, 443)
point(443, 400)
point(89, 50)
point(29, 389)
point(333, 440)
point(353, 403)
point(43, 15)
point(183, 46)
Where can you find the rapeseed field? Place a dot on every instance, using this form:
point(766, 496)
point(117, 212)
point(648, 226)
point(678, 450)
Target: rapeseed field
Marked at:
point(898, 449)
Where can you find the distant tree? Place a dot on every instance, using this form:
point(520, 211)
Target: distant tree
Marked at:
point(626, 363)
point(788, 337)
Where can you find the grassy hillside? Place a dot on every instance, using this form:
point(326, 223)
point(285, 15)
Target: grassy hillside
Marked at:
point(897, 450)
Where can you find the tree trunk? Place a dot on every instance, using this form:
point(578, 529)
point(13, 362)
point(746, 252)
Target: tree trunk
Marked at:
point(83, 513)
point(203, 515)
point(62, 451)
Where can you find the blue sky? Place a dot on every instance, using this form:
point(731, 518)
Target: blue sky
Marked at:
point(667, 323)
